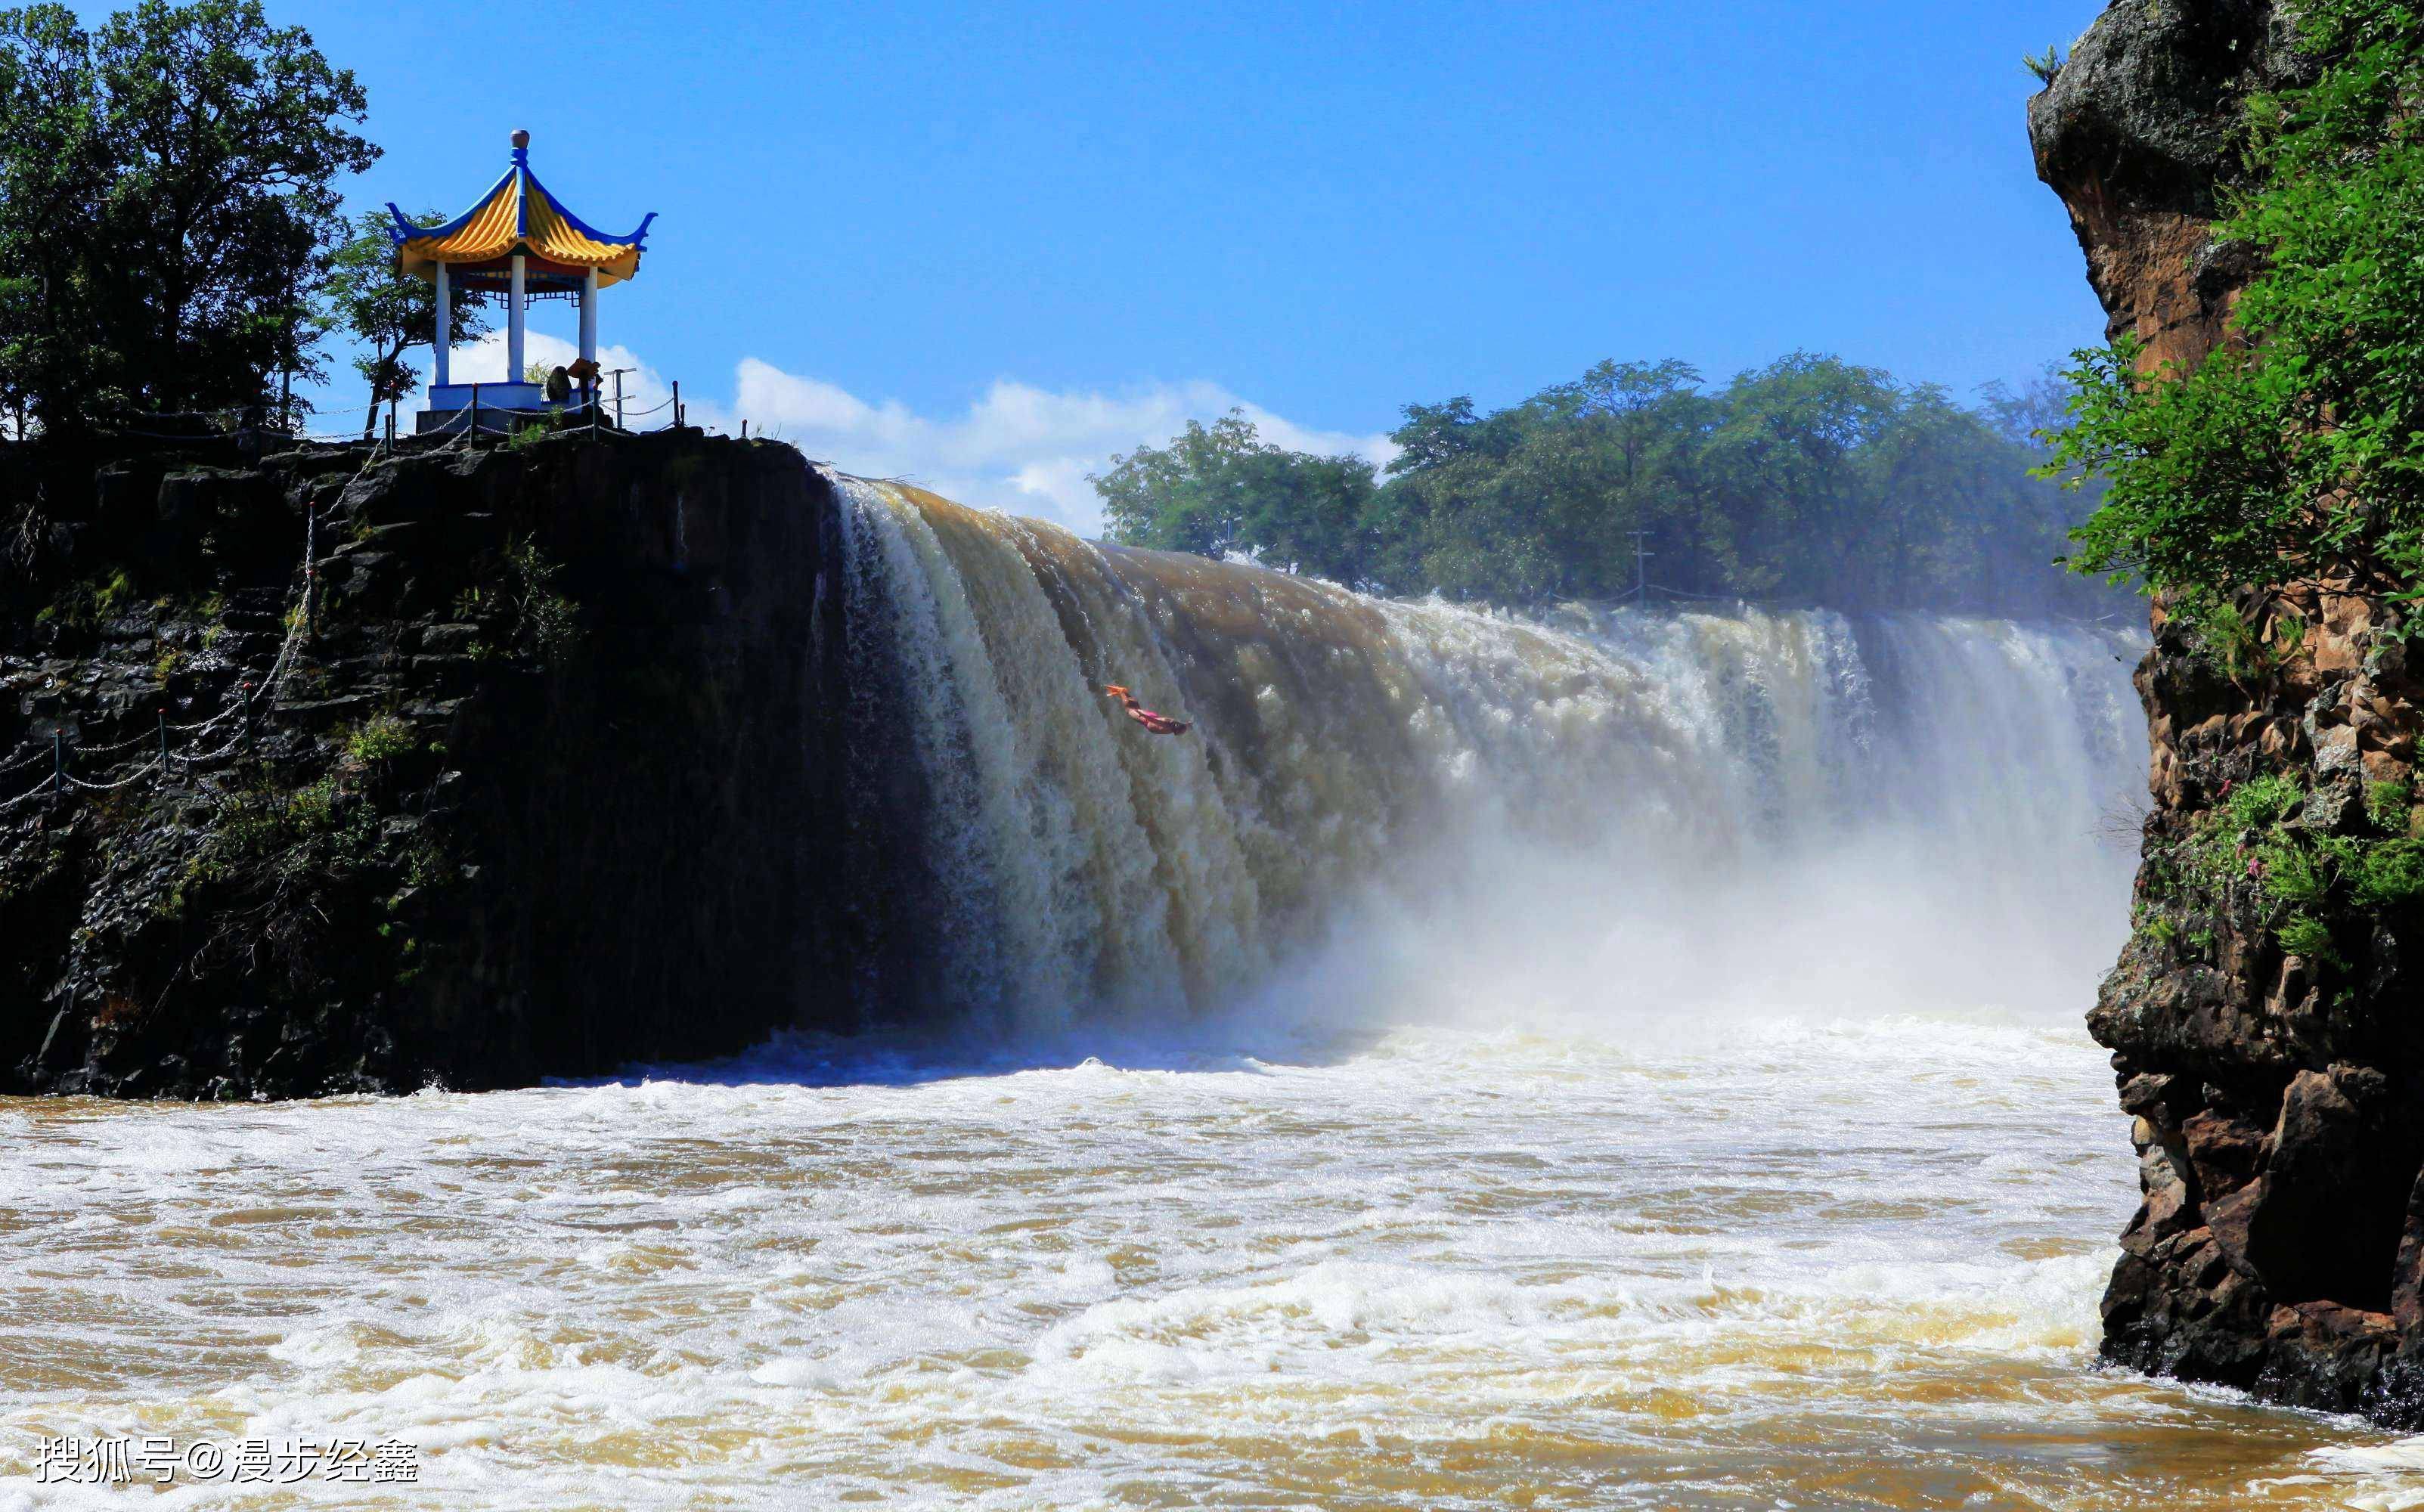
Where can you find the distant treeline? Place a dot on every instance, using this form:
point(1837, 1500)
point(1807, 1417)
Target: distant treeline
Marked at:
point(1809, 481)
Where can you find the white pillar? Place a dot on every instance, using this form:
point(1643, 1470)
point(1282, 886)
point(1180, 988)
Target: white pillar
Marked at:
point(589, 315)
point(445, 333)
point(514, 363)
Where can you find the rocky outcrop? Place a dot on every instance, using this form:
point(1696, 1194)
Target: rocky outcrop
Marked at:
point(2262, 1019)
point(2139, 132)
point(548, 780)
point(2262, 1023)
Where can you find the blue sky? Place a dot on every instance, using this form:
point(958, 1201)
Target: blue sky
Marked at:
point(988, 244)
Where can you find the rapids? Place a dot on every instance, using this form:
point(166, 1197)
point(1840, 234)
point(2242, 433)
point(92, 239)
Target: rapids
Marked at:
point(1631, 1060)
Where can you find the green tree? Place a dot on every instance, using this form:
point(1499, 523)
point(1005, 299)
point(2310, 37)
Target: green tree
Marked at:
point(1182, 497)
point(1811, 481)
point(204, 148)
point(1222, 490)
point(1786, 511)
point(389, 314)
point(54, 165)
point(2302, 443)
point(1309, 514)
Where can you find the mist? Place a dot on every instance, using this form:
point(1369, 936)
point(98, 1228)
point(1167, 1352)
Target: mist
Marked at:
point(1633, 820)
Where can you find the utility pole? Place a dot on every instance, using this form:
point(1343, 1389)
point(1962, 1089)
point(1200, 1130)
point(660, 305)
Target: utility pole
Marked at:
point(1640, 565)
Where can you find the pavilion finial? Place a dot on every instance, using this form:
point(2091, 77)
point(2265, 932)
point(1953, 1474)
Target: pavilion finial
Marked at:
point(522, 140)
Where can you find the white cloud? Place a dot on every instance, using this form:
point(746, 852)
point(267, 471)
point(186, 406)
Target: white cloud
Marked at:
point(1018, 448)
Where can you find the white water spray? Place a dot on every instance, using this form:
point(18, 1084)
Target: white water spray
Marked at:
point(1625, 808)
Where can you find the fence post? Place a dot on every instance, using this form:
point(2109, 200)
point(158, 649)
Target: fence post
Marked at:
point(59, 764)
point(677, 406)
point(247, 716)
point(472, 435)
point(163, 715)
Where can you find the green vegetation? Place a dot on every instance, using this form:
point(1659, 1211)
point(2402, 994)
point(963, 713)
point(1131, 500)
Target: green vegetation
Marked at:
point(391, 315)
point(2264, 801)
point(380, 738)
point(2306, 936)
point(167, 206)
point(2304, 446)
point(2386, 805)
point(2042, 66)
point(2315, 890)
point(1811, 479)
point(88, 602)
point(287, 834)
point(523, 611)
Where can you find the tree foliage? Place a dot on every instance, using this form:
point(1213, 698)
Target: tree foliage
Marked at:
point(2302, 442)
point(387, 314)
point(1811, 479)
point(1221, 491)
point(167, 206)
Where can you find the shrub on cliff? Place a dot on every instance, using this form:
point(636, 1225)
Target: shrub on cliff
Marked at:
point(2303, 441)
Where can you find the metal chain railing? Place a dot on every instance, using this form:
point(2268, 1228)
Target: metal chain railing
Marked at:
point(249, 695)
point(245, 700)
point(132, 777)
point(47, 787)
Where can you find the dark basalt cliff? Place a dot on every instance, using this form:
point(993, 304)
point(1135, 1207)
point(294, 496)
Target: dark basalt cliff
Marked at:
point(2278, 1097)
point(548, 782)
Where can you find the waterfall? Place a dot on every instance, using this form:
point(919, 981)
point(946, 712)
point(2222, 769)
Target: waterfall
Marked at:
point(1657, 806)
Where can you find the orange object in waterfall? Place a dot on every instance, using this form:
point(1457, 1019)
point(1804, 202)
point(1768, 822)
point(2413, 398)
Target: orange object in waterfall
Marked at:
point(1157, 723)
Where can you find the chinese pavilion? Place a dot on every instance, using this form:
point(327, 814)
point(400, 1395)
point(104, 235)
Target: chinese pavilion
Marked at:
point(517, 241)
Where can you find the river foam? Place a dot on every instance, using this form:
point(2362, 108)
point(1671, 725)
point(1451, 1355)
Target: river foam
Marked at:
point(1785, 1260)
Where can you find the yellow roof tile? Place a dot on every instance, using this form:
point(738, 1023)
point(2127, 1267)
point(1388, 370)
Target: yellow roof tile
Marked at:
point(517, 215)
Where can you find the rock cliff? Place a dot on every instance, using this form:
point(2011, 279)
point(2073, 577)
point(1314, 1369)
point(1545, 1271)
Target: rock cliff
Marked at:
point(2139, 133)
point(546, 780)
point(2269, 1052)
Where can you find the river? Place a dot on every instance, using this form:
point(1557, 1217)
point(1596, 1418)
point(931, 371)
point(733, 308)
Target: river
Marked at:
point(1632, 1060)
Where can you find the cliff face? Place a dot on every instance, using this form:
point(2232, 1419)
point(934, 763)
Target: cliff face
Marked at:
point(2275, 1079)
point(550, 781)
point(2138, 134)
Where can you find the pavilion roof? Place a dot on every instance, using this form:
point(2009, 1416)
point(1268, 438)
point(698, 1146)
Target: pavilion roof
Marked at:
point(517, 213)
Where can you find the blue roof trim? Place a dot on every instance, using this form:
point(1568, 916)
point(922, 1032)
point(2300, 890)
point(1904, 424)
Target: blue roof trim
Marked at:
point(458, 222)
point(405, 231)
point(637, 238)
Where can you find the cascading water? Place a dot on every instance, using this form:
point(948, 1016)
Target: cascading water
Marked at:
point(1691, 801)
point(1709, 1121)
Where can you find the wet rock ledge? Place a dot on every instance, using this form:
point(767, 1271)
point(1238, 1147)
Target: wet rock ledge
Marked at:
point(549, 782)
point(2263, 1019)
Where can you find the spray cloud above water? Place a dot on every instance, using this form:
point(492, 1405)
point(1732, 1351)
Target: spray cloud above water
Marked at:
point(1394, 809)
